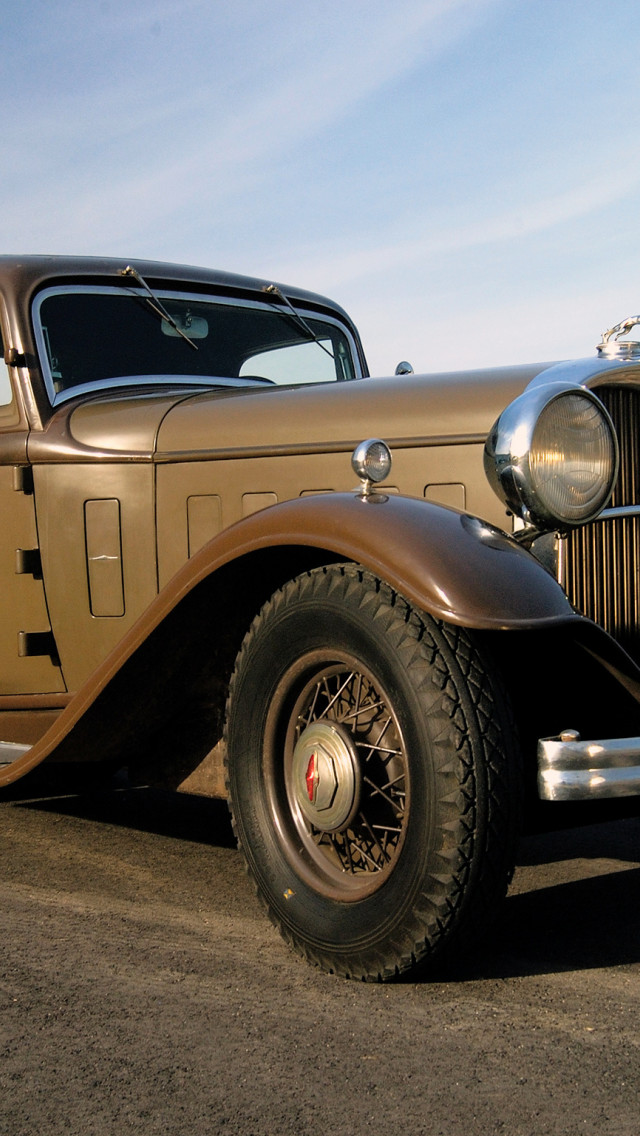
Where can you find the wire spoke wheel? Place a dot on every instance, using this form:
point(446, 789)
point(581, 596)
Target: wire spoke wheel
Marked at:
point(341, 796)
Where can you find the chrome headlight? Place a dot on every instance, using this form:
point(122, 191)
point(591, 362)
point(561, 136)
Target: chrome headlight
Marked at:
point(371, 461)
point(552, 457)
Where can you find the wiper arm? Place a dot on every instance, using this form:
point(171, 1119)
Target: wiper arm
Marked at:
point(273, 290)
point(157, 304)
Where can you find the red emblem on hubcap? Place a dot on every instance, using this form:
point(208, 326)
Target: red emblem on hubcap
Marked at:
point(312, 778)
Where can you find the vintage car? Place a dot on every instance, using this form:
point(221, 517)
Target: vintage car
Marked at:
point(381, 679)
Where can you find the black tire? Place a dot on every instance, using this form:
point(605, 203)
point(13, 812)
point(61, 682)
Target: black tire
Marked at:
point(373, 777)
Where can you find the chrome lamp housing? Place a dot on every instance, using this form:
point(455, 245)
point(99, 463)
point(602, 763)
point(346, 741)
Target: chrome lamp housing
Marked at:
point(552, 457)
point(371, 461)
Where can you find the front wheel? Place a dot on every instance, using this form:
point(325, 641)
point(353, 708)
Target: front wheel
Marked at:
point(372, 776)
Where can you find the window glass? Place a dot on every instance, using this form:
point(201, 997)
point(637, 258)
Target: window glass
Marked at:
point(5, 382)
point(312, 362)
point(89, 337)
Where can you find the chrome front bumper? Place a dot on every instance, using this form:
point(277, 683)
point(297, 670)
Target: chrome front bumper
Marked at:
point(570, 769)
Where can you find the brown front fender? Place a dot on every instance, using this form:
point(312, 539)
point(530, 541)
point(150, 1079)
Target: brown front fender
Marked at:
point(455, 566)
point(452, 565)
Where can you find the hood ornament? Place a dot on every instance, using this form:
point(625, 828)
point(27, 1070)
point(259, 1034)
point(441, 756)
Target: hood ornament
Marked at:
point(610, 346)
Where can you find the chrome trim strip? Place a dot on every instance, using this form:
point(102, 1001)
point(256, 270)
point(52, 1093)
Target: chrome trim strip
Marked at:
point(618, 511)
point(575, 770)
point(11, 751)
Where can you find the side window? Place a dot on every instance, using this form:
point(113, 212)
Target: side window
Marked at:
point(301, 363)
point(5, 382)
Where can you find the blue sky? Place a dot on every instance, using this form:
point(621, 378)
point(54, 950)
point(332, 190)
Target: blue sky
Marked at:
point(462, 175)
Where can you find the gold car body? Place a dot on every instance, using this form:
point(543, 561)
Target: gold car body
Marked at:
point(147, 524)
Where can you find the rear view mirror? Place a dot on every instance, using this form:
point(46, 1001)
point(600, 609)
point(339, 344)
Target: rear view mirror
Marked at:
point(195, 327)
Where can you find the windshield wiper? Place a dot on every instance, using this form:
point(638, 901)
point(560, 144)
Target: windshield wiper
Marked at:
point(157, 304)
point(273, 290)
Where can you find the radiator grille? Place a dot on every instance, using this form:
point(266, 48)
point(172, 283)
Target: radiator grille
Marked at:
point(602, 576)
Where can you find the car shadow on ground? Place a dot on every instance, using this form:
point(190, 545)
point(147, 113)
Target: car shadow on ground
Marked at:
point(113, 801)
point(581, 925)
point(574, 903)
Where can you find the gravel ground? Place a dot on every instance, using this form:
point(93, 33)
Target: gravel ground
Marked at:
point(142, 990)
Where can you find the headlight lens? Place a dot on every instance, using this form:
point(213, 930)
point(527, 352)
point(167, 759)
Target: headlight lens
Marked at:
point(572, 455)
point(552, 456)
point(371, 460)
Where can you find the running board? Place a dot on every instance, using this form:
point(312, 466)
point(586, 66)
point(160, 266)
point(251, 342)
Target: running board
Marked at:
point(11, 751)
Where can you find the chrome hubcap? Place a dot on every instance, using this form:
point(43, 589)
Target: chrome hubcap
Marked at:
point(326, 776)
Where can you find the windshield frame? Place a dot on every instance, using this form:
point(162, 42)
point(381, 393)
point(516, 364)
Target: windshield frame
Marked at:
point(185, 380)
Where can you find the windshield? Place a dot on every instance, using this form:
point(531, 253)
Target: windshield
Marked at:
point(90, 338)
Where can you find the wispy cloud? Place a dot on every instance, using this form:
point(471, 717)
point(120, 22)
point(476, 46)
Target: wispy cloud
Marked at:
point(163, 141)
point(411, 159)
point(334, 267)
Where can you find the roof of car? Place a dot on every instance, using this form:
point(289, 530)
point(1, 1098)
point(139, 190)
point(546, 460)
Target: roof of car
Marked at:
point(33, 271)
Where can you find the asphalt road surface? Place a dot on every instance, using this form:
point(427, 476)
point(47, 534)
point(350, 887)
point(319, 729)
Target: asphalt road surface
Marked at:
point(142, 990)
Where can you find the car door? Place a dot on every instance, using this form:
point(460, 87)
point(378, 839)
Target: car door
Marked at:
point(28, 661)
